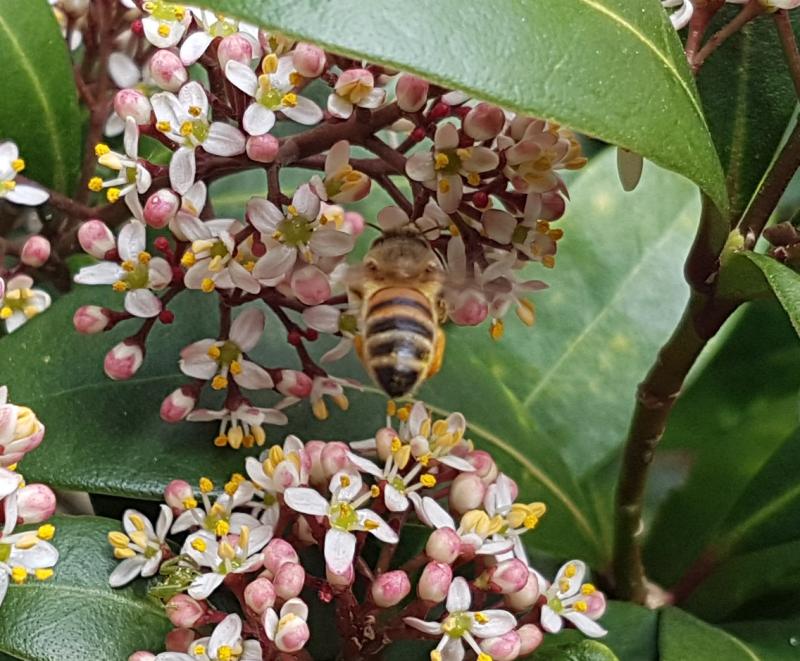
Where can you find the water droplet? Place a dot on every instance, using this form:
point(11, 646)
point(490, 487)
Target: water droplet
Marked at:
point(794, 641)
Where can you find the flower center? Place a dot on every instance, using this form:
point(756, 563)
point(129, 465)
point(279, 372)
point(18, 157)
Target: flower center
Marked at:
point(343, 516)
point(228, 353)
point(555, 604)
point(16, 300)
point(447, 162)
point(398, 484)
point(165, 11)
point(138, 277)
point(196, 129)
point(457, 624)
point(222, 28)
point(295, 230)
point(5, 552)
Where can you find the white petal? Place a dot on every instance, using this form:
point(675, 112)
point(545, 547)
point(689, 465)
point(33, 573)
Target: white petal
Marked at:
point(500, 623)
point(131, 240)
point(456, 462)
point(123, 71)
point(305, 112)
point(458, 596)
point(248, 328)
point(194, 46)
point(164, 522)
point(253, 377)
point(296, 607)
point(228, 632)
point(450, 199)
point(182, 169)
point(550, 620)
point(419, 167)
point(431, 628)
point(365, 465)
point(224, 140)
point(104, 273)
point(340, 547)
point(192, 94)
point(263, 215)
point(436, 514)
point(204, 585)
point(373, 99)
point(242, 77)
point(383, 531)
point(258, 120)
point(339, 107)
point(142, 303)
point(395, 501)
point(27, 194)
point(586, 625)
point(276, 264)
point(306, 501)
point(126, 571)
point(446, 136)
point(331, 243)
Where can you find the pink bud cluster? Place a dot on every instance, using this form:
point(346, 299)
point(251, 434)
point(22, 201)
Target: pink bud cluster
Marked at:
point(467, 583)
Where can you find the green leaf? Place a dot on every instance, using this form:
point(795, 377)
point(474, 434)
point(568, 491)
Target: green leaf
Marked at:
point(75, 614)
point(748, 98)
point(776, 640)
point(585, 650)
point(40, 106)
point(628, 53)
point(682, 636)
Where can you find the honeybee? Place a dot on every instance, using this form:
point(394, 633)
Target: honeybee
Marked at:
point(398, 286)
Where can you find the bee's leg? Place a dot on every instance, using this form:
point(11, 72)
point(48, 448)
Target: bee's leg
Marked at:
point(441, 310)
point(438, 354)
point(358, 344)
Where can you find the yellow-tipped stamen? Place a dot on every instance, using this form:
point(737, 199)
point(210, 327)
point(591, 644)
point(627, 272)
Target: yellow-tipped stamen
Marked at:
point(124, 554)
point(118, 539)
point(199, 545)
point(43, 574)
point(219, 382)
point(206, 485)
point(46, 531)
point(222, 528)
point(101, 149)
point(427, 480)
point(188, 259)
point(112, 194)
point(164, 126)
point(19, 574)
point(214, 352)
point(496, 329)
point(207, 285)
point(18, 165)
point(95, 184)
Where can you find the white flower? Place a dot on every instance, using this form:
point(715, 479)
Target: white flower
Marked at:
point(342, 183)
point(240, 426)
point(223, 557)
point(19, 301)
point(442, 168)
point(166, 22)
point(680, 17)
point(10, 165)
point(132, 177)
point(518, 517)
point(213, 25)
point(137, 275)
point(218, 518)
point(213, 258)
point(224, 644)
point(288, 631)
point(460, 624)
point(140, 548)
point(430, 224)
point(354, 87)
point(10, 484)
point(434, 440)
point(26, 554)
point(280, 468)
point(343, 517)
point(571, 599)
point(298, 233)
point(271, 92)
point(217, 359)
point(333, 388)
point(184, 120)
point(330, 319)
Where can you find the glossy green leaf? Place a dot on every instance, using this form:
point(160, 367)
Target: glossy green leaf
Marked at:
point(628, 63)
point(776, 640)
point(783, 281)
point(585, 650)
point(40, 106)
point(75, 614)
point(597, 332)
point(682, 636)
point(748, 98)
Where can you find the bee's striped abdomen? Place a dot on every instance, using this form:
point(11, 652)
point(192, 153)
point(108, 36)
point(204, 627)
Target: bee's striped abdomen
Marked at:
point(400, 327)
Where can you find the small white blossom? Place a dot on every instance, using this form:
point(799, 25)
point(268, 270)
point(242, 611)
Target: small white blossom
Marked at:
point(569, 598)
point(20, 302)
point(140, 548)
point(10, 165)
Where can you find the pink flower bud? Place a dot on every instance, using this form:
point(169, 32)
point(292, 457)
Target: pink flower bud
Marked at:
point(553, 205)
point(75, 7)
point(167, 70)
point(343, 580)
point(161, 208)
point(435, 581)
point(292, 634)
point(527, 596)
point(383, 442)
point(123, 361)
point(354, 223)
point(502, 648)
point(443, 545)
point(277, 553)
point(508, 576)
point(95, 238)
point(596, 603)
point(294, 384)
point(35, 503)
point(470, 308)
point(466, 493)
point(484, 121)
point(178, 404)
point(262, 148)
point(334, 458)
point(183, 611)
point(317, 473)
point(35, 251)
point(484, 465)
point(132, 103)
point(178, 640)
point(260, 595)
point(355, 84)
point(142, 655)
point(412, 92)
point(90, 319)
point(391, 588)
point(234, 47)
point(289, 580)
point(177, 493)
point(309, 60)
point(310, 285)
point(530, 637)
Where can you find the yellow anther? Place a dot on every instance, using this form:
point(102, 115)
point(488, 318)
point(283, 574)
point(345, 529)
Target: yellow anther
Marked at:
point(128, 266)
point(427, 480)
point(374, 491)
point(555, 234)
point(6, 312)
point(548, 261)
point(275, 455)
point(95, 184)
point(292, 210)
point(27, 542)
point(199, 650)
point(189, 503)
point(164, 126)
point(101, 149)
point(238, 478)
point(259, 435)
point(207, 285)
point(440, 161)
point(139, 537)
point(424, 459)
point(222, 528)
point(481, 618)
point(526, 311)
point(444, 186)
point(19, 574)
point(144, 257)
point(224, 653)
point(188, 259)
point(563, 585)
point(270, 63)
point(453, 229)
point(221, 441)
point(180, 12)
point(112, 194)
point(46, 531)
point(18, 165)
point(118, 539)
point(230, 487)
point(320, 410)
point(581, 606)
point(474, 179)
point(43, 574)
point(149, 7)
point(396, 444)
point(199, 545)
point(587, 589)
point(213, 352)
point(496, 329)
point(483, 656)
point(370, 524)
point(403, 413)
point(344, 481)
point(120, 286)
point(226, 551)
point(436, 655)
point(391, 407)
point(186, 129)
point(123, 554)
point(195, 111)
point(425, 427)
point(249, 266)
point(570, 570)
point(530, 521)
point(137, 521)
point(289, 100)
point(236, 367)
point(206, 485)
point(295, 78)
point(163, 30)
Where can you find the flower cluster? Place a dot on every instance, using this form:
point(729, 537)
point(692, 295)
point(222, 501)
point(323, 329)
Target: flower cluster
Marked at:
point(470, 585)
point(485, 188)
point(25, 554)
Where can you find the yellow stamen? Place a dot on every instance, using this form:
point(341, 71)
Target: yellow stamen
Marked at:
point(587, 589)
point(163, 30)
point(5, 312)
point(440, 161)
point(124, 554)
point(369, 524)
point(144, 257)
point(101, 149)
point(95, 184)
point(391, 407)
point(19, 574)
point(120, 286)
point(213, 352)
point(189, 503)
point(396, 444)
point(224, 653)
point(164, 126)
point(295, 78)
point(289, 100)
point(18, 165)
point(112, 194)
point(222, 528)
point(219, 382)
point(481, 618)
point(206, 485)
point(199, 650)
point(427, 480)
point(236, 367)
point(581, 606)
point(374, 491)
point(270, 63)
point(188, 259)
point(473, 179)
point(230, 487)
point(207, 285)
point(43, 574)
point(186, 129)
point(570, 570)
point(199, 545)
point(483, 656)
point(195, 111)
point(46, 531)
point(548, 261)
point(221, 441)
point(496, 329)
point(344, 481)
point(444, 186)
point(118, 539)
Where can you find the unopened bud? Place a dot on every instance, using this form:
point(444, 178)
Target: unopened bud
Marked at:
point(310, 285)
point(262, 148)
point(484, 122)
point(123, 361)
point(35, 251)
point(390, 589)
point(466, 493)
point(161, 208)
point(260, 595)
point(95, 238)
point(183, 611)
point(412, 92)
point(132, 103)
point(355, 84)
point(178, 640)
point(289, 580)
point(525, 597)
point(334, 458)
point(235, 48)
point(553, 206)
point(90, 319)
point(276, 554)
point(443, 545)
point(502, 648)
point(507, 577)
point(178, 404)
point(530, 637)
point(435, 581)
point(340, 580)
point(177, 494)
point(470, 308)
point(167, 70)
point(383, 442)
point(294, 384)
point(142, 655)
point(354, 223)
point(292, 633)
point(35, 503)
point(484, 465)
point(308, 60)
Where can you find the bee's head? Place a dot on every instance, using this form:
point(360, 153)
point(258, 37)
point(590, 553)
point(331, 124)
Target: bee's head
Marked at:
point(402, 256)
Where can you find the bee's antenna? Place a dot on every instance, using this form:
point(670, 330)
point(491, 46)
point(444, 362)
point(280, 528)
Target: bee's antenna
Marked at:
point(375, 227)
